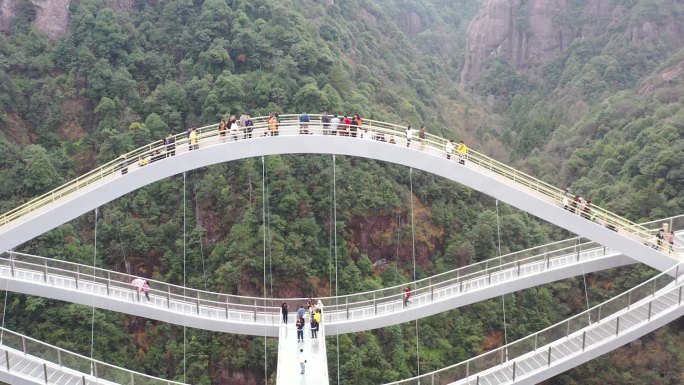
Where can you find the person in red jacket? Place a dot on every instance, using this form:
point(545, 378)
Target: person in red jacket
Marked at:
point(407, 296)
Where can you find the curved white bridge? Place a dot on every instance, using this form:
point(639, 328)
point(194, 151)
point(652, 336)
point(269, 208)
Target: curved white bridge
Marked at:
point(574, 341)
point(479, 172)
point(27, 361)
point(344, 314)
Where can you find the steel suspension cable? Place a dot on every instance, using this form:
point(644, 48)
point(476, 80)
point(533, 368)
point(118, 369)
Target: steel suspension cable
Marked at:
point(584, 279)
point(267, 231)
point(263, 222)
point(204, 271)
point(337, 300)
point(123, 251)
point(396, 256)
point(413, 254)
point(330, 236)
point(503, 297)
point(4, 307)
point(184, 293)
point(92, 321)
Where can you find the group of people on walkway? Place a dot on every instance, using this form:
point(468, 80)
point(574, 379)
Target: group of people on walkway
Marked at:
point(578, 205)
point(665, 237)
point(461, 150)
point(314, 311)
point(337, 125)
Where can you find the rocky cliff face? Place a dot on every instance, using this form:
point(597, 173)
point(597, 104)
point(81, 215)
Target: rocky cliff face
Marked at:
point(7, 12)
point(527, 33)
point(52, 16)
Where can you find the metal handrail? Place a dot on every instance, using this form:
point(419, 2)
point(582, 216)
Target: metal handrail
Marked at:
point(89, 369)
point(604, 312)
point(432, 144)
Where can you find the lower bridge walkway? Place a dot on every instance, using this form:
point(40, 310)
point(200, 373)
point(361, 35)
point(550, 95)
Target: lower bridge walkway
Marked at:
point(574, 341)
point(312, 350)
point(255, 316)
point(26, 361)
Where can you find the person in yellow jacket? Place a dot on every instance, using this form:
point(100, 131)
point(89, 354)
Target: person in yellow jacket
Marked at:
point(462, 152)
point(193, 139)
point(273, 125)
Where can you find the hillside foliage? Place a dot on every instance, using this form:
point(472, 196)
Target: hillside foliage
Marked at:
point(120, 79)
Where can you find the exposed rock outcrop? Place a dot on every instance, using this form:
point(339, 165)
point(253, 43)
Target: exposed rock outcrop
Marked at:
point(525, 32)
point(528, 33)
point(52, 16)
point(7, 12)
point(410, 23)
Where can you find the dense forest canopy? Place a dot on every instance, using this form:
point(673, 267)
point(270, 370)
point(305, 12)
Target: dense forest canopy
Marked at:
point(603, 115)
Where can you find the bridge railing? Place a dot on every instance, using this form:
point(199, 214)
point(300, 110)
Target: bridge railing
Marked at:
point(92, 371)
point(290, 125)
point(112, 283)
point(532, 343)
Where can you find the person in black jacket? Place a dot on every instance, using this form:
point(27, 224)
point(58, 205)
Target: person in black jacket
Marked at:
point(283, 309)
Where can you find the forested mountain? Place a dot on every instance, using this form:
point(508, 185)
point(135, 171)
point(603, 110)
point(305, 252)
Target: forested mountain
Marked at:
point(582, 93)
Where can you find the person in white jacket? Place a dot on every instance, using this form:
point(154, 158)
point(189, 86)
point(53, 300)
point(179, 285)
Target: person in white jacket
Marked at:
point(409, 135)
point(449, 148)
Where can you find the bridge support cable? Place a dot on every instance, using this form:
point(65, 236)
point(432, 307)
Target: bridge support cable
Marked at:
point(199, 233)
point(584, 279)
point(413, 255)
point(127, 265)
point(263, 223)
point(337, 300)
point(184, 283)
point(266, 221)
point(4, 308)
point(92, 321)
point(503, 296)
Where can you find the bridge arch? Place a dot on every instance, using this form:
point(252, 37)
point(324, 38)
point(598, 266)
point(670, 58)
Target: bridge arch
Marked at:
point(149, 164)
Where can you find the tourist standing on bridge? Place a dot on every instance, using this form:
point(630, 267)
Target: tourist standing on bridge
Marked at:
point(171, 144)
point(302, 360)
point(325, 123)
point(272, 124)
point(283, 309)
point(301, 311)
point(248, 126)
point(334, 122)
point(670, 240)
point(243, 121)
point(192, 136)
point(421, 136)
point(300, 329)
point(659, 238)
point(347, 126)
point(314, 328)
point(566, 198)
point(304, 123)
point(358, 121)
point(142, 286)
point(407, 296)
point(462, 152)
point(409, 135)
point(234, 128)
point(318, 315)
point(222, 129)
point(449, 148)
